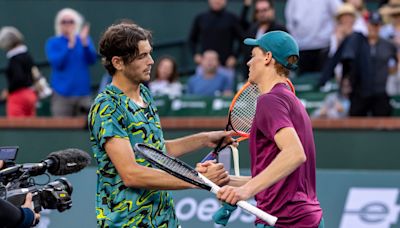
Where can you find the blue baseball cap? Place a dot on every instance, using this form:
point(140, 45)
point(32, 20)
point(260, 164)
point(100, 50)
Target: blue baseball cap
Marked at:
point(281, 44)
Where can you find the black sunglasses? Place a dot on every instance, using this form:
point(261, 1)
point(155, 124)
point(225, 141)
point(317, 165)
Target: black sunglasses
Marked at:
point(69, 22)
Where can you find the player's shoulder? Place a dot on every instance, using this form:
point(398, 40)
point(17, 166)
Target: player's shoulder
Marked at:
point(269, 98)
point(106, 96)
point(108, 101)
point(278, 97)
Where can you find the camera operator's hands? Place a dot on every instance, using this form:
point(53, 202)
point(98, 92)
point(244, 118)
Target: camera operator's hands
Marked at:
point(29, 204)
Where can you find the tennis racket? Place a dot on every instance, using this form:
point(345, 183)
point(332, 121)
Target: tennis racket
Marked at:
point(186, 173)
point(241, 114)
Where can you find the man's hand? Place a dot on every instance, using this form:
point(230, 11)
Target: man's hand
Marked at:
point(1, 164)
point(214, 171)
point(232, 195)
point(29, 204)
point(215, 136)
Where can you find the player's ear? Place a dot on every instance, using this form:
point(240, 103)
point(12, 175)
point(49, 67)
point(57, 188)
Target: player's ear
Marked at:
point(267, 57)
point(117, 62)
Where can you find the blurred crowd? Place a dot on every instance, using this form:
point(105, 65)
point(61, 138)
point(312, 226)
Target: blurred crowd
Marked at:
point(343, 42)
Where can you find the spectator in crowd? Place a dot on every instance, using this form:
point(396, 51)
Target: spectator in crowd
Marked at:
point(391, 32)
point(264, 21)
point(165, 78)
point(210, 82)
point(360, 25)
point(21, 97)
point(336, 105)
point(345, 19)
point(311, 23)
point(216, 29)
point(366, 63)
point(70, 53)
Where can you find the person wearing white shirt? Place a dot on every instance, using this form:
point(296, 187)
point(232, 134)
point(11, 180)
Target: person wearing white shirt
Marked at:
point(165, 81)
point(311, 23)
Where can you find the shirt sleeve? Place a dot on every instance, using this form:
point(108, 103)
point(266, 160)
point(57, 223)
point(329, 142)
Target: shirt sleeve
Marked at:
point(272, 114)
point(350, 45)
point(107, 121)
point(10, 215)
point(57, 52)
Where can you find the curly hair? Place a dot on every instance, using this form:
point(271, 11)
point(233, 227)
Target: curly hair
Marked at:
point(121, 40)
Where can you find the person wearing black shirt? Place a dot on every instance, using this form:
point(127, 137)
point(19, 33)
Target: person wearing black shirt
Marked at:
point(216, 29)
point(365, 63)
point(264, 21)
point(21, 97)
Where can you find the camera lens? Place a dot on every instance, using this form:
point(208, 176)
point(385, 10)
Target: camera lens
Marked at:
point(62, 184)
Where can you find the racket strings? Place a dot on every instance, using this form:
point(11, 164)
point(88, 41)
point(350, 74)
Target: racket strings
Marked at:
point(244, 109)
point(172, 165)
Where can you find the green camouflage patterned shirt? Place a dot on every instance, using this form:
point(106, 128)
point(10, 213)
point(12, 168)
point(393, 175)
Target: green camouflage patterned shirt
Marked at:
point(113, 114)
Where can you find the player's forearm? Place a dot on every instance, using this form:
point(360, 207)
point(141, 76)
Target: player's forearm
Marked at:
point(181, 146)
point(238, 181)
point(149, 178)
point(283, 165)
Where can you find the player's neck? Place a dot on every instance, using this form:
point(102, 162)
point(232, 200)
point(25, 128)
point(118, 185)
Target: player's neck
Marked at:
point(130, 89)
point(269, 82)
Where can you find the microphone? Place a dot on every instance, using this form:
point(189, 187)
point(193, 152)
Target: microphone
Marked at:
point(60, 163)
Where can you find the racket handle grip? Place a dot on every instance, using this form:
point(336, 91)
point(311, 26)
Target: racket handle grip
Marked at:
point(270, 219)
point(210, 156)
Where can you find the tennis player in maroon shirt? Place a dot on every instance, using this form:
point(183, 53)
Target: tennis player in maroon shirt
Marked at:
point(281, 141)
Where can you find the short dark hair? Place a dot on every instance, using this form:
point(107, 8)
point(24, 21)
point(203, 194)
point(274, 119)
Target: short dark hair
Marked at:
point(121, 40)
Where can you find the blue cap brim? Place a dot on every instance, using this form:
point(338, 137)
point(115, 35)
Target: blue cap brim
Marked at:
point(251, 42)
